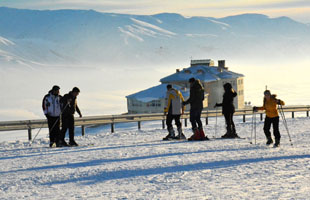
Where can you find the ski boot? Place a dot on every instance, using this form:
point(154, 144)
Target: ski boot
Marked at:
point(72, 143)
point(269, 141)
point(196, 135)
point(277, 143)
point(170, 135)
point(202, 134)
point(180, 136)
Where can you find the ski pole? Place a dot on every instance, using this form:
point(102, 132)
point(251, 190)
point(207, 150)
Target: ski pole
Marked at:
point(252, 128)
point(215, 128)
point(255, 127)
point(285, 122)
point(51, 128)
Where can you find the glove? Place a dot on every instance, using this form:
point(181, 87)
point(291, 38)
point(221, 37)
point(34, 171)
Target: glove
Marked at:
point(216, 105)
point(278, 101)
point(183, 103)
point(255, 109)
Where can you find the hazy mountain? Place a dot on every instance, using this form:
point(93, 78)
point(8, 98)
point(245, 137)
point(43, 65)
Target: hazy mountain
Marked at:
point(32, 37)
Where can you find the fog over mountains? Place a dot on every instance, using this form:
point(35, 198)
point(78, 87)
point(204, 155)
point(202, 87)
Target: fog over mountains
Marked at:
point(32, 37)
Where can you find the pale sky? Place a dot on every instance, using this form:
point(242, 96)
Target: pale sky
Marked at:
point(296, 9)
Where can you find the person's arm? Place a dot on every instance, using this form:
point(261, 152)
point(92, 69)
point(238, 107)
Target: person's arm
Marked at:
point(78, 110)
point(182, 99)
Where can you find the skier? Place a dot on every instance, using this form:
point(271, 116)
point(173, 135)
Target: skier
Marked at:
point(228, 110)
point(272, 117)
point(174, 109)
point(52, 111)
point(69, 106)
point(195, 100)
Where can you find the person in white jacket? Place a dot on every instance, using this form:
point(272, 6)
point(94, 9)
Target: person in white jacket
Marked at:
point(174, 109)
point(52, 111)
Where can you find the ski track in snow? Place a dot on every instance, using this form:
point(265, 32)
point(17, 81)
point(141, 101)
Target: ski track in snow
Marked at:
point(132, 164)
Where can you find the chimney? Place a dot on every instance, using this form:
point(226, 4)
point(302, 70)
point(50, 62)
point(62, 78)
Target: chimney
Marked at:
point(221, 65)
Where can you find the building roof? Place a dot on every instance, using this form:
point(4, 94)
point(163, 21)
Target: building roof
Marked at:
point(155, 93)
point(202, 72)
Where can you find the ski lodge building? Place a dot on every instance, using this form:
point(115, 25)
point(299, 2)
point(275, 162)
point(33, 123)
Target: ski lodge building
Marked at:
point(212, 77)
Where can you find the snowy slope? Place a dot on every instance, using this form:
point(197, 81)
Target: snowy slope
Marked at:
point(87, 36)
point(131, 164)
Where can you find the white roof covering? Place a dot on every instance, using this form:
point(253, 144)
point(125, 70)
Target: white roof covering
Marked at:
point(155, 93)
point(201, 72)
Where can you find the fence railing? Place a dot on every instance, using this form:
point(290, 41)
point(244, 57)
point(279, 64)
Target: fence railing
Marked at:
point(113, 119)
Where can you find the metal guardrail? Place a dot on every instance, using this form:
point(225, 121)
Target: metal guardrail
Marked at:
point(112, 119)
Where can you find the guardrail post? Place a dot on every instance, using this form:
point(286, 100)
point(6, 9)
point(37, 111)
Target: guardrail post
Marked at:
point(163, 123)
point(139, 125)
point(293, 114)
point(185, 122)
point(83, 130)
point(207, 121)
point(243, 118)
point(112, 128)
point(261, 117)
point(29, 134)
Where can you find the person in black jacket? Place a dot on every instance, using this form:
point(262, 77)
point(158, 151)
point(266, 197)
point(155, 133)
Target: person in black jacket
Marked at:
point(228, 110)
point(195, 100)
point(69, 106)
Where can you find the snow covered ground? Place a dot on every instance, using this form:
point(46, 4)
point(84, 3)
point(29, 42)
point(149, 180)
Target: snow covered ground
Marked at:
point(132, 164)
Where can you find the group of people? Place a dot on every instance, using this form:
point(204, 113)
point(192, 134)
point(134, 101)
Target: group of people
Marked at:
point(57, 108)
point(175, 106)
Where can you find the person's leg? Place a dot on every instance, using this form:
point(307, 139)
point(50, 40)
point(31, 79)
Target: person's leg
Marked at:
point(228, 133)
point(169, 127)
point(179, 127)
point(276, 132)
point(267, 125)
point(71, 130)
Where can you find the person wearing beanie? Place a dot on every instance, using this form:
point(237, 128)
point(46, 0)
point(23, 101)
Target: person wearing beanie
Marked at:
point(52, 111)
point(228, 110)
point(69, 106)
point(174, 109)
point(195, 100)
point(272, 117)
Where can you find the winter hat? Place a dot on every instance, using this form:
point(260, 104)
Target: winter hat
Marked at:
point(267, 92)
point(169, 86)
point(55, 88)
point(227, 86)
point(191, 80)
point(75, 89)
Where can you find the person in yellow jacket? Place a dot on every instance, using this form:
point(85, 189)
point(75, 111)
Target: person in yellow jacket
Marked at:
point(174, 109)
point(272, 117)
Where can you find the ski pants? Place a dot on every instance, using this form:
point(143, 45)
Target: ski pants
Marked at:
point(176, 119)
point(230, 125)
point(67, 123)
point(275, 122)
point(54, 128)
point(195, 116)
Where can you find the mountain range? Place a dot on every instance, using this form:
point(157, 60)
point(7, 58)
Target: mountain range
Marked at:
point(41, 37)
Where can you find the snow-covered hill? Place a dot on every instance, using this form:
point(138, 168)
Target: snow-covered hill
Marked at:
point(87, 36)
point(131, 164)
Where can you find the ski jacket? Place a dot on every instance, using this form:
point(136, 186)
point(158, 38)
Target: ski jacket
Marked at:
point(51, 105)
point(271, 106)
point(69, 105)
point(196, 96)
point(174, 102)
point(228, 102)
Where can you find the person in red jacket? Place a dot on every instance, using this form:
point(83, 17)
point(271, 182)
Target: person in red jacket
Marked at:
point(272, 117)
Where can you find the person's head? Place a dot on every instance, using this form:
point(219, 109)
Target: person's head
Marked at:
point(267, 94)
point(169, 86)
point(227, 87)
point(75, 91)
point(55, 90)
point(191, 81)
